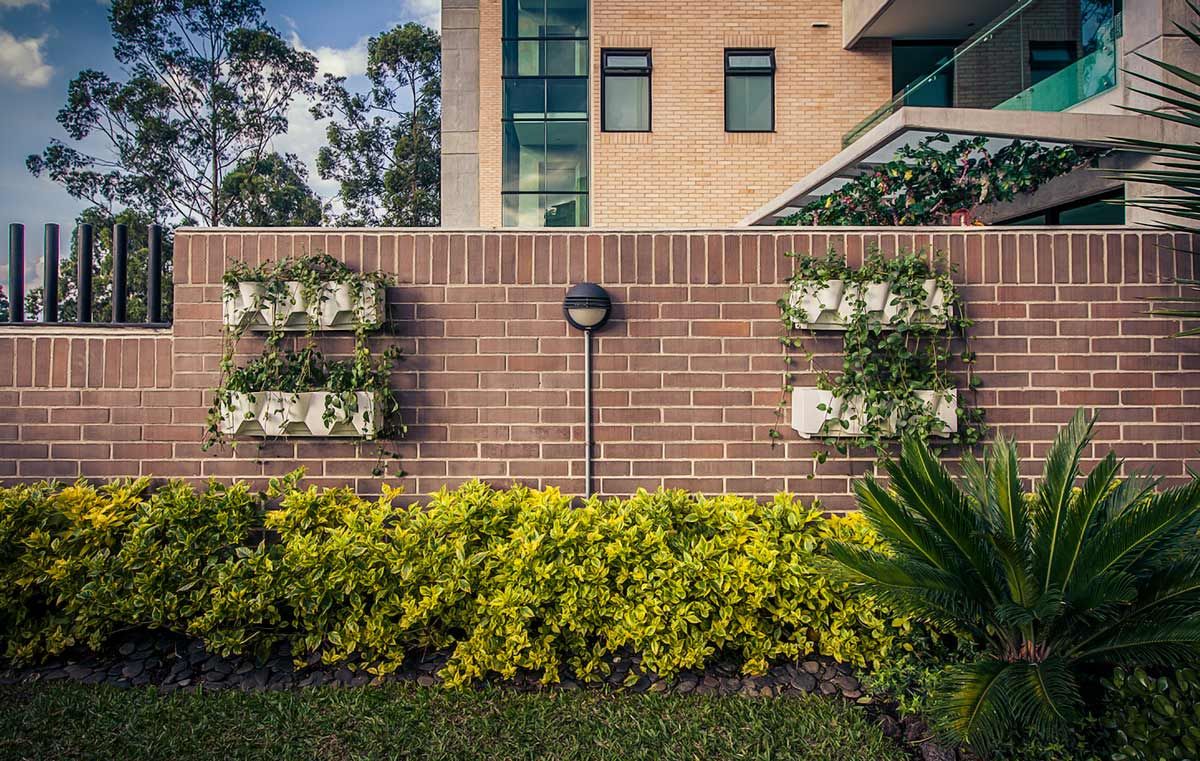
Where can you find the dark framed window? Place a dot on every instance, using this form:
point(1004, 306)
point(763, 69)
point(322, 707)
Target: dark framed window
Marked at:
point(1048, 58)
point(749, 90)
point(625, 104)
point(1103, 209)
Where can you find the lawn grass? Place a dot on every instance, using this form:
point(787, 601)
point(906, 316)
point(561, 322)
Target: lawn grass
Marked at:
point(399, 721)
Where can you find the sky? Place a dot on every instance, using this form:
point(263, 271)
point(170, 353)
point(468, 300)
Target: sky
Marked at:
point(46, 43)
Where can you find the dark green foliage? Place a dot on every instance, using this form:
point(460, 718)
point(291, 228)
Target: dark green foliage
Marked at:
point(384, 147)
point(270, 192)
point(1045, 584)
point(1148, 718)
point(926, 183)
point(208, 86)
point(1176, 167)
point(402, 722)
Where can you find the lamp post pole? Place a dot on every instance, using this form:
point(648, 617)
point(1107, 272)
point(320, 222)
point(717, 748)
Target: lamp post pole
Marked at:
point(589, 465)
point(587, 307)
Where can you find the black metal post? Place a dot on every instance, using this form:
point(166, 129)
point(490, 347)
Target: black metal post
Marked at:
point(16, 272)
point(120, 277)
point(83, 273)
point(50, 274)
point(154, 276)
point(587, 413)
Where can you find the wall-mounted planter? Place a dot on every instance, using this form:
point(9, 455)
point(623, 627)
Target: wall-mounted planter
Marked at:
point(830, 305)
point(818, 414)
point(302, 414)
point(339, 306)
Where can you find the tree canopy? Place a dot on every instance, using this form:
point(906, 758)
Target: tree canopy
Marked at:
point(270, 192)
point(208, 84)
point(384, 146)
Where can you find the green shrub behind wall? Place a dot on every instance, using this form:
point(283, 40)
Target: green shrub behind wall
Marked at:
point(502, 579)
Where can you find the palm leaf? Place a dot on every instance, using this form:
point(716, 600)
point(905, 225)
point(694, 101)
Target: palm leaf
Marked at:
point(977, 704)
point(922, 483)
point(1148, 645)
point(1164, 517)
point(1054, 494)
point(1052, 702)
point(905, 532)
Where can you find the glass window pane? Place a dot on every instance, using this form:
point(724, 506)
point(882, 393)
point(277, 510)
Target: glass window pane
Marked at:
point(522, 210)
point(560, 210)
point(566, 157)
point(523, 18)
point(521, 59)
point(627, 104)
point(524, 155)
point(627, 61)
point(566, 98)
point(748, 106)
point(566, 18)
point(1099, 213)
point(524, 98)
point(566, 58)
point(750, 61)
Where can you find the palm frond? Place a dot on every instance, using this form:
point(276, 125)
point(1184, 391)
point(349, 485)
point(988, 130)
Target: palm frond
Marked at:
point(923, 484)
point(1160, 519)
point(904, 531)
point(1052, 702)
point(977, 704)
point(1149, 645)
point(1080, 519)
point(1054, 494)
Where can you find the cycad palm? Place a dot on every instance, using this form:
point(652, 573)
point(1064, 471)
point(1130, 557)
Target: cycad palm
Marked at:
point(1047, 584)
point(1175, 93)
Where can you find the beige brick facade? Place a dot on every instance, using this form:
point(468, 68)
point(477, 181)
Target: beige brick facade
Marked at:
point(688, 170)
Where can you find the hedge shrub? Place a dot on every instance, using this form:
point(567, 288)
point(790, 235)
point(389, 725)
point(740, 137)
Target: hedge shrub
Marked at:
point(502, 579)
point(1148, 718)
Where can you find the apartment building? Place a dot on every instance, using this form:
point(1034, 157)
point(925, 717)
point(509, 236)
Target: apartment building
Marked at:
point(672, 113)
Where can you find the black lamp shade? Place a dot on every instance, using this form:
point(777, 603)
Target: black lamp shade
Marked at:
point(587, 306)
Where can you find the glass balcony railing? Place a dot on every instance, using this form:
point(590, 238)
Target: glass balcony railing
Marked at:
point(1039, 55)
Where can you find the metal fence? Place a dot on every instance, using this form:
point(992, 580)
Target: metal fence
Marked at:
point(85, 298)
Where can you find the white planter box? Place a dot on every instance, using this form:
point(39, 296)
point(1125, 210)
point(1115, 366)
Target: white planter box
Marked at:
point(831, 306)
point(278, 413)
point(818, 414)
point(337, 307)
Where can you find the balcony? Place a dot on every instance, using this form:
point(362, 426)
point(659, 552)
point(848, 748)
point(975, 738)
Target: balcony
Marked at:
point(1039, 55)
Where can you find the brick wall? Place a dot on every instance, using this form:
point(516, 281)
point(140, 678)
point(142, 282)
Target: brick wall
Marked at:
point(687, 373)
point(688, 170)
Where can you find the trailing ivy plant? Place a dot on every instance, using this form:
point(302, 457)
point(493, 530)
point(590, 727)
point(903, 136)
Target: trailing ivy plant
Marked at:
point(290, 361)
point(931, 181)
point(883, 365)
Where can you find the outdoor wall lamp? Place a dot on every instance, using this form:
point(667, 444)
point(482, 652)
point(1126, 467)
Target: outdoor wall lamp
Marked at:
point(587, 307)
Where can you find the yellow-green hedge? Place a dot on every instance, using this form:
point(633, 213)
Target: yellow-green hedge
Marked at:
point(502, 579)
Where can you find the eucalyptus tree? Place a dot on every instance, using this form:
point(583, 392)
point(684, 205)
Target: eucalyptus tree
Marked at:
point(384, 146)
point(205, 85)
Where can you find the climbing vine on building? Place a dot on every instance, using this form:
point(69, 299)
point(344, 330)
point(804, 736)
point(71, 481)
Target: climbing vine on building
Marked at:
point(935, 181)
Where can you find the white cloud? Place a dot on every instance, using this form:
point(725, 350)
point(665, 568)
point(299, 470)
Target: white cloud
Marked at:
point(427, 12)
point(306, 136)
point(21, 61)
point(43, 4)
point(340, 62)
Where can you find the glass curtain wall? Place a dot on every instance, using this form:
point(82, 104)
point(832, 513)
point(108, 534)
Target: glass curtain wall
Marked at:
point(545, 118)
